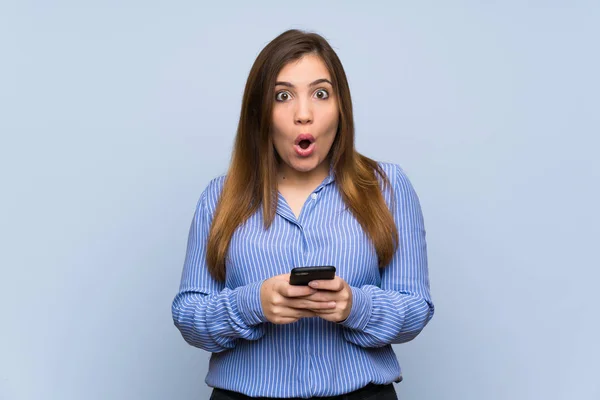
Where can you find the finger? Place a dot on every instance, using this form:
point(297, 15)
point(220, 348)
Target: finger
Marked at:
point(289, 312)
point(287, 320)
point(283, 277)
point(321, 295)
point(283, 321)
point(336, 284)
point(332, 317)
point(310, 305)
point(287, 290)
point(325, 312)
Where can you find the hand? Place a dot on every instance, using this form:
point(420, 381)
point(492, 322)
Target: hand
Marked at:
point(283, 303)
point(336, 290)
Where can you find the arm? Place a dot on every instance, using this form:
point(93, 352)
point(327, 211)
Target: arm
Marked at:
point(207, 314)
point(397, 311)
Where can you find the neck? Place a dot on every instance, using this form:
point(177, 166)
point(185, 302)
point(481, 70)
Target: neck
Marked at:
point(287, 176)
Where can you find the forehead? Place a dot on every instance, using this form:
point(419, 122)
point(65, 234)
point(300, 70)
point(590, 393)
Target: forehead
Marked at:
point(303, 71)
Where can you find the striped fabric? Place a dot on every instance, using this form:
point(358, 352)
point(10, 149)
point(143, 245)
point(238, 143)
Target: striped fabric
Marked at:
point(311, 357)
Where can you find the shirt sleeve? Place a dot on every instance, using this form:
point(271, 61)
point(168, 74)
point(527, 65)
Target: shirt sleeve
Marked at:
point(209, 315)
point(397, 311)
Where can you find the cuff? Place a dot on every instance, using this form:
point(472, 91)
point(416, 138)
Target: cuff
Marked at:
point(360, 314)
point(246, 303)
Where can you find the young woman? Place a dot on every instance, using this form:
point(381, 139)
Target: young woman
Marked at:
point(297, 193)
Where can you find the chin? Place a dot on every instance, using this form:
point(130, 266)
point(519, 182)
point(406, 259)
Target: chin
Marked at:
point(305, 166)
point(302, 168)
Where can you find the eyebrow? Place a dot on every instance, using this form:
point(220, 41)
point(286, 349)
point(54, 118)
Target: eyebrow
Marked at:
point(288, 84)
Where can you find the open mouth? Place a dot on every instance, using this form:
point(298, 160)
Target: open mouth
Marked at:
point(304, 144)
point(304, 140)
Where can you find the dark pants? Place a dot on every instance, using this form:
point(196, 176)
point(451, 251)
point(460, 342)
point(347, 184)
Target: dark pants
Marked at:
point(369, 392)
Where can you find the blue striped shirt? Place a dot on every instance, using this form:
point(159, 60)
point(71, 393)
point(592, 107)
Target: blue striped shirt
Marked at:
point(310, 357)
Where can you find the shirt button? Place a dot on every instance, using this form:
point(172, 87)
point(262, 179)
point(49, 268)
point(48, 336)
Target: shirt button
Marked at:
point(314, 196)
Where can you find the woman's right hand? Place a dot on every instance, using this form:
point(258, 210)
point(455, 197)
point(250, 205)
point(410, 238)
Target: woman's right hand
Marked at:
point(283, 303)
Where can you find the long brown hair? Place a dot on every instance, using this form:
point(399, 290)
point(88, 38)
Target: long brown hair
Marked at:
point(251, 179)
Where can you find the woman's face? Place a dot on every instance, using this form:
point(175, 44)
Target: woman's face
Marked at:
point(305, 114)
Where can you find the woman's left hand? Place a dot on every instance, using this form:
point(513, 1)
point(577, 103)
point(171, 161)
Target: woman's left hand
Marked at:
point(336, 290)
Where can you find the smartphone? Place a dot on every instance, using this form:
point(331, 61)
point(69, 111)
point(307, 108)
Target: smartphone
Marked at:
point(303, 275)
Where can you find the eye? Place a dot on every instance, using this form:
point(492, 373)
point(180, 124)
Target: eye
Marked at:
point(322, 94)
point(282, 96)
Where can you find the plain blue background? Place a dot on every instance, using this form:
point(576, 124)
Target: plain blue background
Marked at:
point(114, 116)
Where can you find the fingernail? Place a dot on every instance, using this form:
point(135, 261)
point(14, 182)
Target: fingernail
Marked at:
point(313, 284)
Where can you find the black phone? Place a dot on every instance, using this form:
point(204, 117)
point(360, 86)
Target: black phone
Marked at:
point(303, 275)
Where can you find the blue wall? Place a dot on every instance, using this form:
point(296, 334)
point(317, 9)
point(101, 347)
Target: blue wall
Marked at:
point(115, 115)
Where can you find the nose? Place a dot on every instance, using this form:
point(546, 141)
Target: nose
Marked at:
point(303, 113)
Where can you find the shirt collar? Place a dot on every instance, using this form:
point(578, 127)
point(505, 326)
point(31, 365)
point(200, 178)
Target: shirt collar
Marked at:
point(328, 179)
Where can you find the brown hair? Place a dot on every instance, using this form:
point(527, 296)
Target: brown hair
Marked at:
point(251, 179)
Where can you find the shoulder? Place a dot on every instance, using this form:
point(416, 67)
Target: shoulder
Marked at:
point(398, 178)
point(402, 192)
point(210, 195)
point(404, 198)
